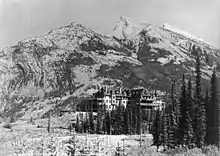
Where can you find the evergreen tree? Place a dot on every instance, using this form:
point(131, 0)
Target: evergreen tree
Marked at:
point(130, 115)
point(190, 100)
point(134, 119)
point(77, 124)
point(157, 130)
point(150, 121)
point(147, 120)
point(91, 120)
point(126, 121)
point(99, 121)
point(173, 129)
point(88, 128)
point(173, 118)
point(113, 119)
point(166, 123)
point(139, 119)
point(170, 133)
point(163, 122)
point(81, 123)
point(108, 122)
point(104, 127)
point(84, 126)
point(122, 118)
point(119, 119)
point(86, 121)
point(183, 105)
point(49, 123)
point(188, 134)
point(200, 116)
point(213, 110)
point(207, 104)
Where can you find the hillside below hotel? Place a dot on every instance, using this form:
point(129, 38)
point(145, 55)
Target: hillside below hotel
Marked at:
point(112, 98)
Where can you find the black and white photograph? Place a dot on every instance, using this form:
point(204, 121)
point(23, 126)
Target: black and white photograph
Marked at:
point(109, 77)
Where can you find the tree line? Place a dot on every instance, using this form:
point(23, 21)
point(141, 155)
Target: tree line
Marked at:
point(191, 117)
point(121, 120)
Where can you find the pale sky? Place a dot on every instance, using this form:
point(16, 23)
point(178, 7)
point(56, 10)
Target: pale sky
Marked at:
point(20, 19)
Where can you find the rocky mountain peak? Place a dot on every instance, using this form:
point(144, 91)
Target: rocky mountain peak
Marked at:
point(125, 20)
point(125, 28)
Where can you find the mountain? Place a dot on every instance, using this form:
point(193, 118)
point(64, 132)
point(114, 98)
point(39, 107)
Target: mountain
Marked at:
point(64, 67)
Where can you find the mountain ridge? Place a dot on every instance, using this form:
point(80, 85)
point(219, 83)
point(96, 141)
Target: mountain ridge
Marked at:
point(43, 74)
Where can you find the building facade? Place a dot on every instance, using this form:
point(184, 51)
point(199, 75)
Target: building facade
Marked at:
point(148, 100)
point(111, 98)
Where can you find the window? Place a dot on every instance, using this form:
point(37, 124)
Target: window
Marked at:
point(143, 101)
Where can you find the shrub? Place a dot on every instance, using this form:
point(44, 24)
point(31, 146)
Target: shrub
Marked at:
point(12, 119)
point(182, 151)
point(31, 120)
point(194, 152)
point(39, 126)
point(7, 125)
point(177, 150)
point(144, 151)
point(211, 151)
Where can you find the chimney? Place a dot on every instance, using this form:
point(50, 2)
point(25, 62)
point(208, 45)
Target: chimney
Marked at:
point(106, 89)
point(120, 90)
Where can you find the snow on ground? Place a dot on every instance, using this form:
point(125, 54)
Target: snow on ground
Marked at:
point(26, 138)
point(176, 60)
point(163, 60)
point(179, 31)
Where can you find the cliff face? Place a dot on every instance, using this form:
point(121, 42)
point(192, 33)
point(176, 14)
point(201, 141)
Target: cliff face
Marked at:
point(49, 72)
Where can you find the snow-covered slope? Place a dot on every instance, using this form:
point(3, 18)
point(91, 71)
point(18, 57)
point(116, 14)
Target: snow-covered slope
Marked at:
point(61, 68)
point(180, 31)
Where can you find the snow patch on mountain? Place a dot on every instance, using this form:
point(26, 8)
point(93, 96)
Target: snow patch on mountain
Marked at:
point(163, 61)
point(180, 31)
point(168, 59)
